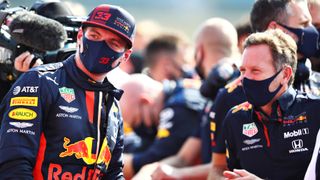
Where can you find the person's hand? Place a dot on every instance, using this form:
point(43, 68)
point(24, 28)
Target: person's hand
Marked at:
point(146, 171)
point(166, 172)
point(240, 174)
point(22, 62)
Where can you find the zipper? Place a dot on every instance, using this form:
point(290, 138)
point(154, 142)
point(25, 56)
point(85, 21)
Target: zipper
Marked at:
point(99, 122)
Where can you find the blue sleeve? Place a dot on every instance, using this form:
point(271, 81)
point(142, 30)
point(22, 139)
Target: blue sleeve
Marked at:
point(230, 143)
point(21, 127)
point(115, 169)
point(176, 125)
point(220, 109)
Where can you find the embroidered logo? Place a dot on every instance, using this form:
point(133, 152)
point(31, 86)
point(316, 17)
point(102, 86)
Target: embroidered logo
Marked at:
point(249, 129)
point(67, 94)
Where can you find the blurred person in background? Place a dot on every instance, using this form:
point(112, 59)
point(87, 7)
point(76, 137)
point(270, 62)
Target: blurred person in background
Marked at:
point(243, 31)
point(165, 57)
point(218, 41)
point(146, 31)
point(292, 17)
point(314, 8)
point(172, 108)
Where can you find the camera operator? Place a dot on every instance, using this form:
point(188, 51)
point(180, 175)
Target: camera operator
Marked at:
point(51, 9)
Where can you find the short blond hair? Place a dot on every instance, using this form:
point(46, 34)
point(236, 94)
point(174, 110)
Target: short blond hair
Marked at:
point(283, 48)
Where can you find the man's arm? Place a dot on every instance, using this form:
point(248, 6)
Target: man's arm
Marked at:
point(218, 165)
point(164, 171)
point(166, 144)
point(188, 154)
point(115, 169)
point(21, 109)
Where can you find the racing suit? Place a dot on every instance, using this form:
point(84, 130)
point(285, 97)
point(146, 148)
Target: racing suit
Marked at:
point(57, 123)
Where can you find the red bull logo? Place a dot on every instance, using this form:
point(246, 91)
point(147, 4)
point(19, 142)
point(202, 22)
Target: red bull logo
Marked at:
point(83, 150)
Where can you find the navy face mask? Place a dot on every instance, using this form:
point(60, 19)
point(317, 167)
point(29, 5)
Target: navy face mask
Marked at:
point(98, 57)
point(257, 92)
point(308, 38)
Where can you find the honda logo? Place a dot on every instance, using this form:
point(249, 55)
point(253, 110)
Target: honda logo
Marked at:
point(297, 144)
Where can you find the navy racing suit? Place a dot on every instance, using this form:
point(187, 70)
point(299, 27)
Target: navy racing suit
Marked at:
point(57, 123)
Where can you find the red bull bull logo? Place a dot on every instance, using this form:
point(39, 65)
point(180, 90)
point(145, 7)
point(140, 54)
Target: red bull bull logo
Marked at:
point(83, 150)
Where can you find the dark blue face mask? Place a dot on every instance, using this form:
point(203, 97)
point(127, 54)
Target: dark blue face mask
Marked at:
point(257, 92)
point(308, 38)
point(98, 57)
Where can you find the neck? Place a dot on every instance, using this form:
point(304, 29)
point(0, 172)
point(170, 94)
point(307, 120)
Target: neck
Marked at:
point(211, 61)
point(95, 77)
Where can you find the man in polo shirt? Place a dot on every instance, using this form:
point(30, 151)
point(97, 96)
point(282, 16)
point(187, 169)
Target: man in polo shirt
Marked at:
point(273, 134)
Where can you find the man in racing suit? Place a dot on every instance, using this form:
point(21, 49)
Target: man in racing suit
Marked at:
point(61, 121)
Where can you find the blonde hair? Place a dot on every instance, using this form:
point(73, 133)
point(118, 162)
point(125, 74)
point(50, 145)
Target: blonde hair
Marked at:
point(283, 48)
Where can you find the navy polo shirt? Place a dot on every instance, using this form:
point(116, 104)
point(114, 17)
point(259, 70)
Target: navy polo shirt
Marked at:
point(275, 147)
point(227, 98)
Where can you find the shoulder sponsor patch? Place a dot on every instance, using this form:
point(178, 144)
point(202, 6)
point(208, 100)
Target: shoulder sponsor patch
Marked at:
point(24, 101)
point(249, 129)
point(25, 89)
point(67, 94)
point(246, 106)
point(22, 114)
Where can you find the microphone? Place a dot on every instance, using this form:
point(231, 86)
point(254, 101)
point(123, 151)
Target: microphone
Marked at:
point(38, 32)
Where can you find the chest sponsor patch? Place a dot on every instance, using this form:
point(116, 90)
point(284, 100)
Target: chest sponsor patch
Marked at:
point(249, 129)
point(297, 146)
point(25, 89)
point(293, 120)
point(251, 141)
point(24, 101)
point(69, 109)
point(295, 133)
point(21, 124)
point(22, 114)
point(67, 94)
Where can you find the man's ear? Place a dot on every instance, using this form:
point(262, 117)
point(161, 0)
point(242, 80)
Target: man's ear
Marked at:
point(127, 54)
point(273, 25)
point(287, 74)
point(199, 53)
point(80, 34)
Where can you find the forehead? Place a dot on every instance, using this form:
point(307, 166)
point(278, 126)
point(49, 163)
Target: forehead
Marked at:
point(298, 10)
point(104, 33)
point(257, 56)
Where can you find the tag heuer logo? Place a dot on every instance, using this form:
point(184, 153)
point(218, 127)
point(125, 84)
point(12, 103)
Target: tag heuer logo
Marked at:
point(249, 129)
point(67, 94)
